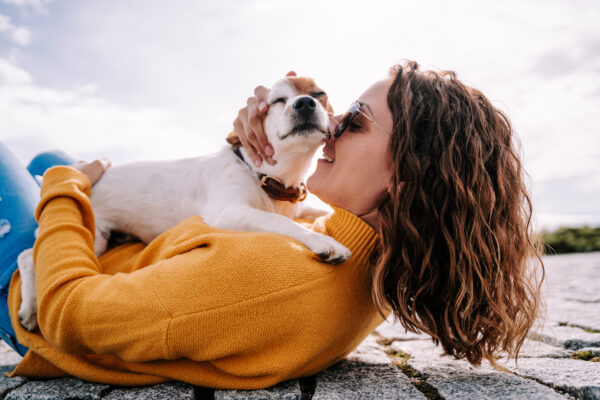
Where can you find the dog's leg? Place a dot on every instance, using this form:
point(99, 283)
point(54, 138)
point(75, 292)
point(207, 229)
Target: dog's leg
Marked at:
point(28, 310)
point(251, 219)
point(311, 213)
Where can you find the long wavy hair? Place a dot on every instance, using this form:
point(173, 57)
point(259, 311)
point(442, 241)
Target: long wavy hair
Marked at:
point(457, 259)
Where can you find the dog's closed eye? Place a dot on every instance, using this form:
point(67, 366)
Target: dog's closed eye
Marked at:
point(279, 100)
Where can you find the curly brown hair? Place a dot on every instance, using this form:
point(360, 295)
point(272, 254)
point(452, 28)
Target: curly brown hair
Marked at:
point(456, 239)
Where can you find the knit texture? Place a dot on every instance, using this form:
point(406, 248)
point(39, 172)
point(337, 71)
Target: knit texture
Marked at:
point(203, 305)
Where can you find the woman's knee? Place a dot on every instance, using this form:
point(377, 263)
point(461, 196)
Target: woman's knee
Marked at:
point(45, 160)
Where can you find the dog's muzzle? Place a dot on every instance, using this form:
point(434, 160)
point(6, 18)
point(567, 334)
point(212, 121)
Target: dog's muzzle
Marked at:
point(305, 118)
point(305, 106)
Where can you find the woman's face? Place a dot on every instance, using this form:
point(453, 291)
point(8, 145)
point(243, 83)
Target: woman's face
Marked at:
point(359, 173)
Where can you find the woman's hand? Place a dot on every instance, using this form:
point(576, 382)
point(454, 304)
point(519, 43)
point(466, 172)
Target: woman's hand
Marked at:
point(248, 126)
point(93, 170)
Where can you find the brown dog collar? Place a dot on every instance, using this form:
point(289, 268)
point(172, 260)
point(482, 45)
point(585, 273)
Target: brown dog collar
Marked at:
point(274, 187)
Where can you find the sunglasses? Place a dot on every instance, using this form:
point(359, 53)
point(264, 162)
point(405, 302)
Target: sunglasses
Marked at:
point(354, 110)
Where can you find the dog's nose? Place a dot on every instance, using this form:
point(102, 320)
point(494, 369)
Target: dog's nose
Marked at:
point(305, 105)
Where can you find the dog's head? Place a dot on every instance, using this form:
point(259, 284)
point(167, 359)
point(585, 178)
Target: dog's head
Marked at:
point(298, 114)
point(296, 124)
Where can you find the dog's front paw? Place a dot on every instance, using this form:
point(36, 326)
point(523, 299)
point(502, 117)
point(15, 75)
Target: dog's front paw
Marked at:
point(327, 248)
point(28, 317)
point(28, 310)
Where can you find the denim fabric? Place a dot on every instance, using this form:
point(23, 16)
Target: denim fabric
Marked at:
point(19, 195)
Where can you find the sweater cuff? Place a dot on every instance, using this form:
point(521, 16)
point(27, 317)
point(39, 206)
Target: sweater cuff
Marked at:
point(63, 181)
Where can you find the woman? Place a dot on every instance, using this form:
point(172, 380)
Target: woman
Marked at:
point(427, 193)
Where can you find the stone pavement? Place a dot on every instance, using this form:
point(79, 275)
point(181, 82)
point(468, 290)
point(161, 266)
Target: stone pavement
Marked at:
point(559, 361)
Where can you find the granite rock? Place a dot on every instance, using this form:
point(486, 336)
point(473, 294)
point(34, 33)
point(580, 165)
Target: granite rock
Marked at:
point(457, 379)
point(171, 390)
point(579, 378)
point(396, 332)
point(58, 389)
point(289, 390)
point(358, 380)
point(8, 384)
point(567, 336)
point(537, 349)
point(464, 384)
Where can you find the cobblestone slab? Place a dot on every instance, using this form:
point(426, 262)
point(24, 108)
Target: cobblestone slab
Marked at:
point(580, 378)
point(395, 331)
point(568, 337)
point(367, 373)
point(585, 315)
point(457, 379)
point(8, 384)
point(358, 380)
point(571, 289)
point(58, 389)
point(536, 349)
point(171, 390)
point(289, 390)
point(459, 384)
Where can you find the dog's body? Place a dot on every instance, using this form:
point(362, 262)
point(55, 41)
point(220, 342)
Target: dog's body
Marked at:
point(145, 199)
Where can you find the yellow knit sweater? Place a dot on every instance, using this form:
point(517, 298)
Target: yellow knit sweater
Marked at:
point(203, 305)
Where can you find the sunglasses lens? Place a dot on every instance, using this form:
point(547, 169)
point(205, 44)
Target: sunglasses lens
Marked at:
point(342, 125)
point(352, 112)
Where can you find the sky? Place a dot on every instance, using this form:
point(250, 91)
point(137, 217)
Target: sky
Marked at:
point(146, 79)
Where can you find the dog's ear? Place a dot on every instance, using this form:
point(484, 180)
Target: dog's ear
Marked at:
point(233, 140)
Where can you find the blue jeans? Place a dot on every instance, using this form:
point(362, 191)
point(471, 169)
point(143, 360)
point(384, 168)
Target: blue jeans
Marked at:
point(19, 195)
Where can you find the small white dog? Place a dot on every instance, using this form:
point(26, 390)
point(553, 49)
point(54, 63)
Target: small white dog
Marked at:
point(145, 199)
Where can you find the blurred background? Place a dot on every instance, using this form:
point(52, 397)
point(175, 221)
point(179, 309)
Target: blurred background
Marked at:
point(149, 79)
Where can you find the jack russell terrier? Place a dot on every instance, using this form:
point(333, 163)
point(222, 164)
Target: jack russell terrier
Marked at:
point(145, 199)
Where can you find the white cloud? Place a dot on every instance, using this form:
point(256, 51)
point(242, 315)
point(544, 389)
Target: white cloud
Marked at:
point(18, 34)
point(21, 36)
point(37, 4)
point(36, 118)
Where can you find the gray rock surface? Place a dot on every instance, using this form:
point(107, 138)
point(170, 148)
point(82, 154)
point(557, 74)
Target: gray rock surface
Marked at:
point(568, 337)
point(171, 390)
point(579, 378)
point(8, 384)
point(466, 384)
point(58, 389)
point(358, 380)
point(572, 283)
point(537, 349)
point(289, 390)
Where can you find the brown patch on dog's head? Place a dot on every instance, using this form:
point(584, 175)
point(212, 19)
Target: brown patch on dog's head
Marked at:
point(308, 87)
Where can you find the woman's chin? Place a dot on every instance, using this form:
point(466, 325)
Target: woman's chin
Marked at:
point(314, 184)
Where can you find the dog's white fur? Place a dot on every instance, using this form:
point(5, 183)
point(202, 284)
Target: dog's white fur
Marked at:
point(145, 199)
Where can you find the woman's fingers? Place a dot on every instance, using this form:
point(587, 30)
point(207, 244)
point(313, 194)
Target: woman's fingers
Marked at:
point(238, 129)
point(255, 131)
point(262, 93)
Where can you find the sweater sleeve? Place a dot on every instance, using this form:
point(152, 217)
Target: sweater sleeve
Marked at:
point(74, 296)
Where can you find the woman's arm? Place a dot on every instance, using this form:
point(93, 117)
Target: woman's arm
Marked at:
point(74, 297)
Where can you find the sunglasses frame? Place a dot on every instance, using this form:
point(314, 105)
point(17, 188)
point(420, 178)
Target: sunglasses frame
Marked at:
point(353, 111)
